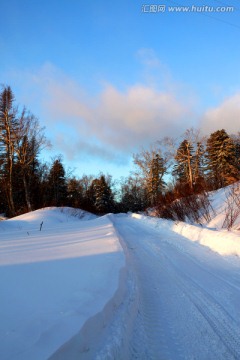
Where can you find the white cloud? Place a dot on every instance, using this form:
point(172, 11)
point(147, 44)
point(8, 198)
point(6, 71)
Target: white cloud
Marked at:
point(112, 124)
point(225, 116)
point(115, 123)
point(115, 120)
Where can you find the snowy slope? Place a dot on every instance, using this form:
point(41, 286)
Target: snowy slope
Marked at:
point(53, 281)
point(221, 200)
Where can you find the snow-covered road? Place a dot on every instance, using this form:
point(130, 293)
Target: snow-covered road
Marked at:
point(68, 292)
point(188, 297)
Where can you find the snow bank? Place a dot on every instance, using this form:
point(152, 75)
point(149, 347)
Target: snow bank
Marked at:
point(102, 335)
point(50, 216)
point(222, 242)
point(53, 281)
point(211, 233)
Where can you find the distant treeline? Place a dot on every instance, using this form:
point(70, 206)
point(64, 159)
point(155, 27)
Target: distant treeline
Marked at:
point(167, 171)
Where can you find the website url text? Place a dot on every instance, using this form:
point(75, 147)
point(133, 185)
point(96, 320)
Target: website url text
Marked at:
point(205, 8)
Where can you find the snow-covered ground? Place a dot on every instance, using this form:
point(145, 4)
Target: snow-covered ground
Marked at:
point(53, 281)
point(118, 287)
point(187, 296)
point(221, 241)
point(212, 233)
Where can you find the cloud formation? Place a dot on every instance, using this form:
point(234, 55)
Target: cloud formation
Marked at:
point(225, 116)
point(113, 121)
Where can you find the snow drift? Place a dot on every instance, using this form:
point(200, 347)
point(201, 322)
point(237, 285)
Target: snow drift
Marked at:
point(52, 281)
point(222, 242)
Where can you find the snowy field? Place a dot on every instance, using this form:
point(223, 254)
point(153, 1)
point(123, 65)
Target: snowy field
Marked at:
point(54, 280)
point(118, 287)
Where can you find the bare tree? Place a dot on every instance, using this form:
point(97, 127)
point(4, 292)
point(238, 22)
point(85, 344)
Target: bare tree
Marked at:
point(30, 140)
point(189, 156)
point(8, 141)
point(232, 209)
point(152, 164)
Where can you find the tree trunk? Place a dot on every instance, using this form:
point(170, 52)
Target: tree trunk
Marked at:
point(27, 197)
point(9, 185)
point(11, 202)
point(189, 168)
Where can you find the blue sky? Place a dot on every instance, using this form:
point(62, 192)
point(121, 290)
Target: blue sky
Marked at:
point(106, 78)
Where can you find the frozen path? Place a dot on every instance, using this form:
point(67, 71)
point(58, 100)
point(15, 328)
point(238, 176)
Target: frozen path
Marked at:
point(188, 296)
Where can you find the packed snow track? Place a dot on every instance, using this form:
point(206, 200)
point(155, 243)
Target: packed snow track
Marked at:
point(187, 296)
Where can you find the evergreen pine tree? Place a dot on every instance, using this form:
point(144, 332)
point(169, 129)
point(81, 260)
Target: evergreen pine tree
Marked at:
point(155, 182)
point(183, 168)
point(57, 187)
point(100, 196)
point(134, 196)
point(221, 159)
point(74, 193)
point(198, 164)
point(236, 141)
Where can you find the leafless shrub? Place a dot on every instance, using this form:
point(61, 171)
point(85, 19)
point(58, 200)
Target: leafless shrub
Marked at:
point(193, 207)
point(232, 209)
point(205, 207)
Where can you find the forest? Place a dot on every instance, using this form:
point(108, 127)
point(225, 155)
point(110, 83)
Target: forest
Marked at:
point(171, 176)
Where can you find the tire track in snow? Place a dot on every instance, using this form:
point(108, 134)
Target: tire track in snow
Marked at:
point(180, 249)
point(157, 329)
point(219, 319)
point(181, 319)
